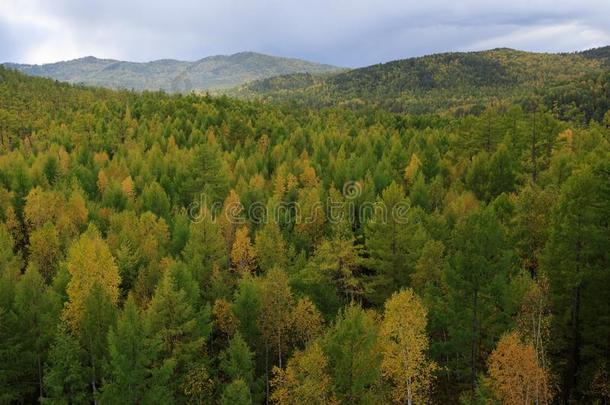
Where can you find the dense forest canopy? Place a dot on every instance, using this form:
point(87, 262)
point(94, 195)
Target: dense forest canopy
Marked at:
point(139, 261)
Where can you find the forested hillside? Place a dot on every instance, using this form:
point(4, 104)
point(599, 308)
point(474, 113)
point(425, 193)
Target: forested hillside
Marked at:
point(161, 248)
point(213, 72)
point(456, 83)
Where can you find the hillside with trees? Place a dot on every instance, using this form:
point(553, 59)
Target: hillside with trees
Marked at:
point(213, 72)
point(456, 83)
point(166, 248)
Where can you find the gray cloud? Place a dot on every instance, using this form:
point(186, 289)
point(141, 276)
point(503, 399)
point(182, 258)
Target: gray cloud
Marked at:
point(341, 32)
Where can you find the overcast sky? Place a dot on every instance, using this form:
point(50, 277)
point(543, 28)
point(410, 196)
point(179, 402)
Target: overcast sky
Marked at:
point(341, 32)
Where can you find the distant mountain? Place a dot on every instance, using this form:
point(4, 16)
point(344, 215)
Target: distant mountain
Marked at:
point(452, 82)
point(214, 72)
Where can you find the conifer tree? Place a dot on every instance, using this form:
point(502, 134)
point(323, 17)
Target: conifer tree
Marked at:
point(133, 376)
point(65, 378)
point(352, 348)
point(179, 328)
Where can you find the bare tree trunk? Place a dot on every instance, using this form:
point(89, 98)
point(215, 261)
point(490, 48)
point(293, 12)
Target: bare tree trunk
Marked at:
point(473, 351)
point(267, 372)
point(534, 152)
point(40, 393)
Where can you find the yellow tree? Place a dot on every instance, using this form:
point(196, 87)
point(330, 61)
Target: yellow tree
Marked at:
point(89, 263)
point(305, 380)
point(45, 250)
point(243, 256)
point(412, 169)
point(310, 218)
point(307, 322)
point(225, 320)
point(404, 343)
point(73, 218)
point(41, 207)
point(515, 374)
point(230, 218)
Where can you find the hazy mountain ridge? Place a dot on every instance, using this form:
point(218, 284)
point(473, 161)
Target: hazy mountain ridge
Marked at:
point(213, 72)
point(438, 82)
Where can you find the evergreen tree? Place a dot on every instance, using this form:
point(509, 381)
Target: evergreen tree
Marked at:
point(133, 376)
point(236, 362)
point(65, 378)
point(393, 240)
point(236, 393)
point(575, 258)
point(179, 328)
point(354, 355)
point(479, 290)
point(37, 310)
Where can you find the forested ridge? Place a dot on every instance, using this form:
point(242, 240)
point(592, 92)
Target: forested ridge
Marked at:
point(454, 83)
point(212, 72)
point(136, 266)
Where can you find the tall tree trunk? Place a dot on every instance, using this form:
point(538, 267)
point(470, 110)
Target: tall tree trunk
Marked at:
point(267, 373)
point(534, 152)
point(473, 350)
point(39, 377)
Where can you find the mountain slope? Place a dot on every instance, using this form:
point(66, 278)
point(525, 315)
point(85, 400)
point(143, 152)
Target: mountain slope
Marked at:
point(453, 82)
point(214, 72)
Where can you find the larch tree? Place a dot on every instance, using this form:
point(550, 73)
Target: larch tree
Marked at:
point(205, 248)
point(45, 250)
point(393, 240)
point(353, 350)
point(307, 322)
point(180, 329)
point(236, 393)
point(65, 378)
point(230, 218)
point(89, 263)
point(237, 361)
point(404, 346)
point(37, 309)
point(225, 321)
point(270, 247)
point(575, 258)
point(243, 255)
point(133, 376)
point(275, 310)
point(480, 299)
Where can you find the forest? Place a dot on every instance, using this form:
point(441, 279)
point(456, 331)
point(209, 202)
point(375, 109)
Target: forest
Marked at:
point(458, 83)
point(164, 248)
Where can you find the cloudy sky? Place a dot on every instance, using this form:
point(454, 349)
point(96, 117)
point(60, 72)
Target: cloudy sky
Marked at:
point(341, 32)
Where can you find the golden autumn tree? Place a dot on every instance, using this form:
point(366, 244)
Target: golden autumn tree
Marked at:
point(128, 187)
point(230, 218)
point(225, 320)
point(404, 346)
point(40, 207)
point(89, 263)
point(412, 169)
point(515, 374)
point(307, 321)
point(243, 256)
point(305, 381)
point(45, 249)
point(311, 217)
